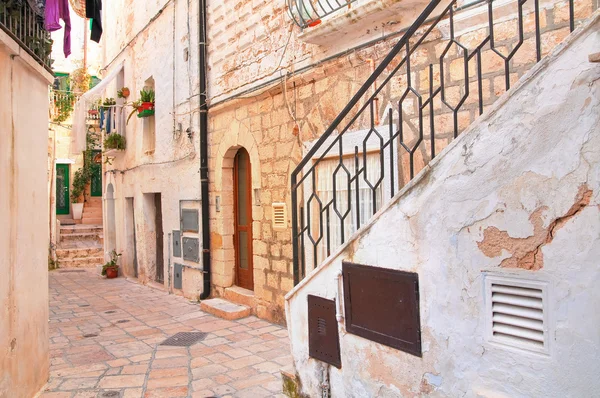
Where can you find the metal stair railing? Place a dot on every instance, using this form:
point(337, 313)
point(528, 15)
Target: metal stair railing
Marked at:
point(408, 144)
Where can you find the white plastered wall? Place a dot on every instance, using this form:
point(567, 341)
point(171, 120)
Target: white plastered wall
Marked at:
point(535, 153)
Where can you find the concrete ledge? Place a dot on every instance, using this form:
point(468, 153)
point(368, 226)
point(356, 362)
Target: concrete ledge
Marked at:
point(15, 50)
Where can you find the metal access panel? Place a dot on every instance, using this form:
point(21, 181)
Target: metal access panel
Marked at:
point(177, 275)
point(323, 337)
point(191, 249)
point(176, 244)
point(189, 220)
point(382, 305)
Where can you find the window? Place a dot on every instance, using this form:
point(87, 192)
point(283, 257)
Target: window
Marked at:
point(325, 181)
point(516, 313)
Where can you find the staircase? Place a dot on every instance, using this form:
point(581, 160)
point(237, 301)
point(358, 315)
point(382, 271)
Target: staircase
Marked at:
point(436, 81)
point(81, 246)
point(92, 211)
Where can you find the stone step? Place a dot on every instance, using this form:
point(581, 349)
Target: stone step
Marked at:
point(89, 221)
point(69, 253)
point(92, 211)
point(225, 309)
point(93, 201)
point(81, 262)
point(239, 295)
point(80, 229)
point(95, 236)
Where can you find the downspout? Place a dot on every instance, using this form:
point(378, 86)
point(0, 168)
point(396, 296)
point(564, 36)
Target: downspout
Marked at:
point(204, 149)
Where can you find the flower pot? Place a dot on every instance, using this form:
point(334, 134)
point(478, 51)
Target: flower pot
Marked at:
point(112, 273)
point(313, 22)
point(146, 109)
point(77, 210)
point(125, 92)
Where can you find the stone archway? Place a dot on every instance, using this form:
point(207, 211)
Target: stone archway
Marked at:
point(222, 238)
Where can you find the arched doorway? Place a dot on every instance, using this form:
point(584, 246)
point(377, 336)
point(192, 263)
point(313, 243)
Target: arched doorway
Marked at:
point(242, 195)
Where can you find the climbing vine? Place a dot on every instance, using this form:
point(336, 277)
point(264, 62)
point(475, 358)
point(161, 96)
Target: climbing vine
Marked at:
point(83, 176)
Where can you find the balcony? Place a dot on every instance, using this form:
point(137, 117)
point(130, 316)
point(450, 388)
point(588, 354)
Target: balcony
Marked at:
point(309, 13)
point(26, 26)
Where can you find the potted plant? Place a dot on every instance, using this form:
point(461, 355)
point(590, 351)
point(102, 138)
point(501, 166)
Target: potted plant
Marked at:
point(115, 141)
point(111, 269)
point(145, 106)
point(123, 92)
point(80, 180)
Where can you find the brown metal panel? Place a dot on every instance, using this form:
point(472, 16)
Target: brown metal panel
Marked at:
point(382, 305)
point(323, 337)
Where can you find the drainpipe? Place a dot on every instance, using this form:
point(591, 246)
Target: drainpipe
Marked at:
point(204, 149)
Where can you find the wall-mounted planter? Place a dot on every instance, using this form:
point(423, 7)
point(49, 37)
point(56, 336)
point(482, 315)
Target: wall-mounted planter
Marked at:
point(146, 109)
point(77, 210)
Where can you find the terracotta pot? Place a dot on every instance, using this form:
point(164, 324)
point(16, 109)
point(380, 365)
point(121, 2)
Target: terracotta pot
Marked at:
point(125, 92)
point(313, 22)
point(112, 273)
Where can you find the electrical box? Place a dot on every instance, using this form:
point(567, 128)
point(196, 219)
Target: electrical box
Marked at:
point(191, 249)
point(177, 275)
point(176, 244)
point(323, 337)
point(189, 220)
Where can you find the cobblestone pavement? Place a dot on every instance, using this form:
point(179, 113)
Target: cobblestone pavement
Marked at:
point(105, 340)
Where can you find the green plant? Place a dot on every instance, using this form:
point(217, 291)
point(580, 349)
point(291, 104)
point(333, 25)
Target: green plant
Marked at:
point(147, 95)
point(83, 176)
point(135, 104)
point(114, 141)
point(123, 92)
point(80, 80)
point(114, 257)
point(64, 106)
point(109, 102)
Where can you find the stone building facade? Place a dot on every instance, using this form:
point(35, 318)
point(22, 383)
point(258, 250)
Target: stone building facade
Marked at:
point(273, 89)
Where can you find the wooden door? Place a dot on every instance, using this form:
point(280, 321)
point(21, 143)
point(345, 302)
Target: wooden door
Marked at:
point(62, 189)
point(243, 220)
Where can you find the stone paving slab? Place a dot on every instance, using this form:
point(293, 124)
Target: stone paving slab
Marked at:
point(105, 340)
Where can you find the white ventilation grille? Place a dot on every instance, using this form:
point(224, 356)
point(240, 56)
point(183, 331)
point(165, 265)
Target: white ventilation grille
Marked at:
point(279, 216)
point(516, 313)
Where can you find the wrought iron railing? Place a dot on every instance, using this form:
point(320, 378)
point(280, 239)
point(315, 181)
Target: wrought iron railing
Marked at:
point(433, 83)
point(26, 26)
point(310, 12)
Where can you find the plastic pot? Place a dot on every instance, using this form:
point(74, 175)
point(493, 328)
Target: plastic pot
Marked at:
point(77, 210)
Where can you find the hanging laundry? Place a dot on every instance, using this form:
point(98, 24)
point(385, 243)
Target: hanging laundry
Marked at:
point(93, 10)
point(55, 10)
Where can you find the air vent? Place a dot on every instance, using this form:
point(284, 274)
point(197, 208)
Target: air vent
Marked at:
point(279, 216)
point(516, 313)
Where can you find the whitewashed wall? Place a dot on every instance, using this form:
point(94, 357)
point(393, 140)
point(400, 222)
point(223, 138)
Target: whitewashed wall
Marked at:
point(24, 222)
point(152, 43)
point(531, 161)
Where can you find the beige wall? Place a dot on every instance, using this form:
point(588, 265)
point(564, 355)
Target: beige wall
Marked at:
point(24, 335)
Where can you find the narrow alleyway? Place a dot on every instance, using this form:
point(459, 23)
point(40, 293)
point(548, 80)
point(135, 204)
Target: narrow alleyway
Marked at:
point(106, 335)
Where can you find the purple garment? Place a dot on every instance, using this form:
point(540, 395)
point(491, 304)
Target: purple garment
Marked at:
point(56, 9)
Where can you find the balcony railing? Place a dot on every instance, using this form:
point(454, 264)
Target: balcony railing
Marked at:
point(308, 13)
point(26, 26)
